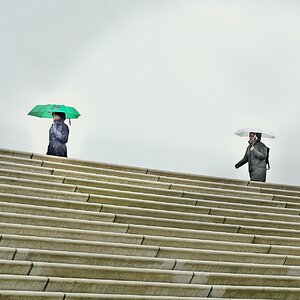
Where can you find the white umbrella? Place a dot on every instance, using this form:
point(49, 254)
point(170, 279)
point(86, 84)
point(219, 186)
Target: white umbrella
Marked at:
point(245, 132)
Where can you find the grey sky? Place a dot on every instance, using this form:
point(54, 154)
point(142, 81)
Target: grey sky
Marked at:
point(159, 83)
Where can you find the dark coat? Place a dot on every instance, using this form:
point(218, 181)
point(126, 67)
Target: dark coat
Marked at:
point(256, 159)
point(58, 137)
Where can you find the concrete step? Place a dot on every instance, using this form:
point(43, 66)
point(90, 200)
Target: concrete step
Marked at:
point(91, 164)
point(25, 295)
point(55, 284)
point(149, 221)
point(58, 212)
point(37, 166)
point(35, 156)
point(148, 275)
point(37, 192)
point(7, 252)
point(32, 242)
point(19, 167)
point(68, 257)
point(6, 173)
point(20, 160)
point(95, 272)
point(58, 284)
point(267, 188)
point(189, 206)
point(210, 235)
point(81, 178)
point(191, 197)
point(146, 262)
point(96, 170)
point(283, 198)
point(196, 177)
point(74, 296)
point(210, 184)
point(276, 186)
point(48, 202)
point(255, 292)
point(282, 193)
point(191, 254)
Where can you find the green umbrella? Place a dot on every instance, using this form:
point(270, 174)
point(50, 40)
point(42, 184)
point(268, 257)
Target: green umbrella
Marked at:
point(46, 111)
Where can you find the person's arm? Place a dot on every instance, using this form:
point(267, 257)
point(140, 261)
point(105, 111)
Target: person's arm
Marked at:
point(243, 161)
point(61, 133)
point(260, 153)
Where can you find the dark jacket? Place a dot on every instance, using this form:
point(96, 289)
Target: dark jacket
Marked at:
point(58, 137)
point(256, 159)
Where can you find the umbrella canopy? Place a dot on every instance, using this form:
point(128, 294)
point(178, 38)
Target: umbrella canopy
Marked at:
point(245, 132)
point(46, 111)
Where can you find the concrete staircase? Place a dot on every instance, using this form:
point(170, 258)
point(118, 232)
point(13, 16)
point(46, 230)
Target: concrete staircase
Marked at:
point(73, 229)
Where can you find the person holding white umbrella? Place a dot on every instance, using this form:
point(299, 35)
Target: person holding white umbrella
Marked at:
point(257, 154)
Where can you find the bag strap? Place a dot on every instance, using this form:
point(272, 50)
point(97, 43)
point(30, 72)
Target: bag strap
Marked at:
point(267, 159)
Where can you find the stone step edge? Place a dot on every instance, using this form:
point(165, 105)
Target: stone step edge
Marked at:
point(155, 249)
point(17, 254)
point(32, 264)
point(89, 296)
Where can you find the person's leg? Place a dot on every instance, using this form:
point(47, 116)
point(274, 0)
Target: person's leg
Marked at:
point(258, 174)
point(60, 149)
point(50, 150)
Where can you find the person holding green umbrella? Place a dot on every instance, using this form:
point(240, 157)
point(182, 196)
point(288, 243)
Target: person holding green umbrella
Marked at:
point(59, 131)
point(58, 135)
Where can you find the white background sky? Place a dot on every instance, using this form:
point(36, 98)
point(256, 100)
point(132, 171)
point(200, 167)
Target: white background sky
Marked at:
point(159, 83)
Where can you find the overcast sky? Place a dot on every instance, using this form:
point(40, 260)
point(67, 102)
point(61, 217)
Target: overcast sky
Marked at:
point(159, 83)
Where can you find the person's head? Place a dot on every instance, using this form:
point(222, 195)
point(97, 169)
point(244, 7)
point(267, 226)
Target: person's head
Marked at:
point(254, 136)
point(59, 116)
